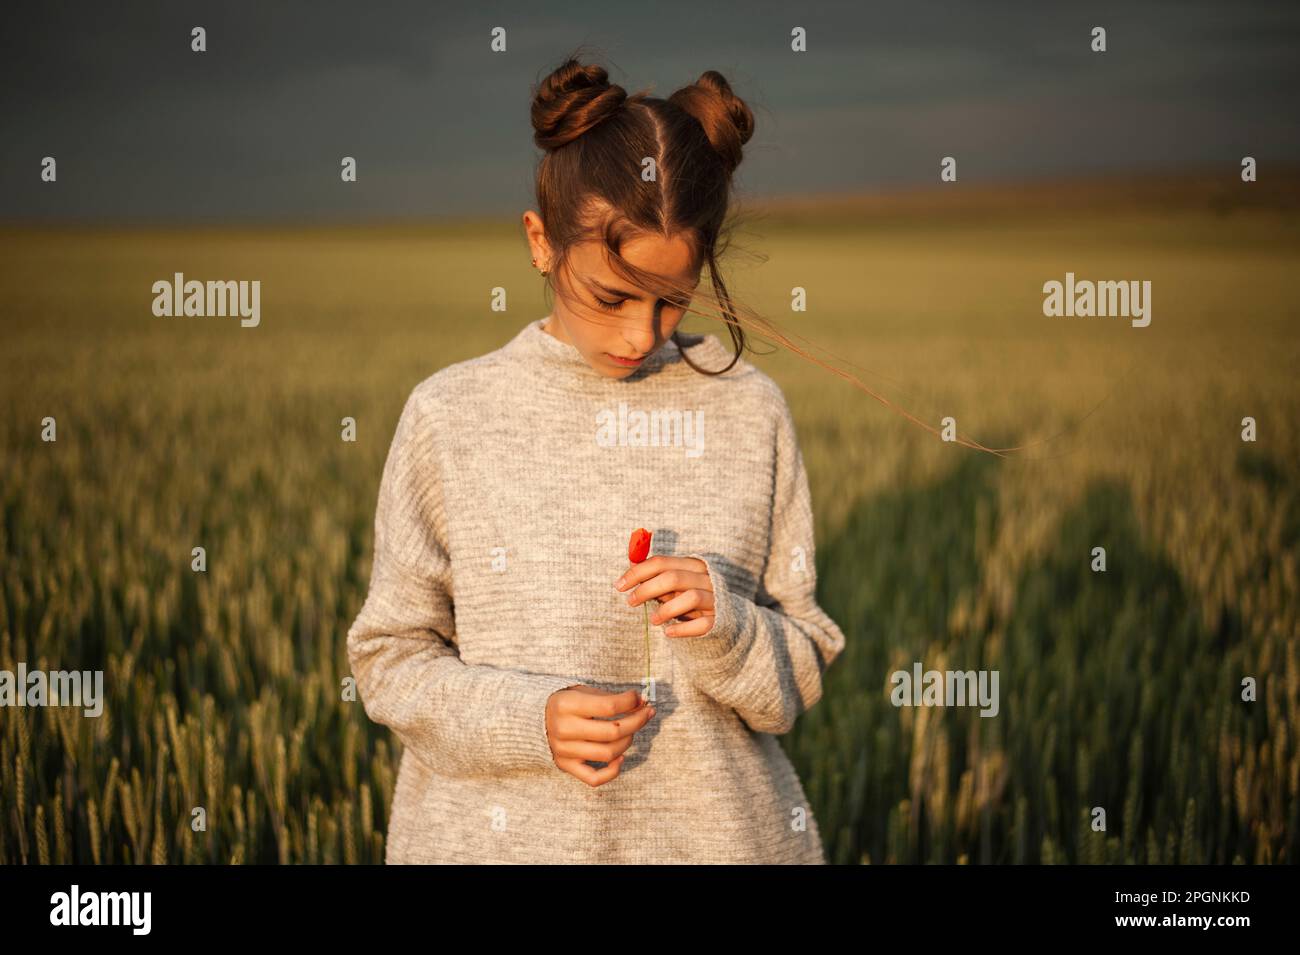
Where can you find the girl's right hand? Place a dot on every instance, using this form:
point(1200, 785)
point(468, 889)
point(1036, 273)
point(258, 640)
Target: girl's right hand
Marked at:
point(576, 731)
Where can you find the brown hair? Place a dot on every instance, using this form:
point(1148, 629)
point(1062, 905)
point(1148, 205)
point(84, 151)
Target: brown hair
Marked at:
point(590, 182)
point(597, 139)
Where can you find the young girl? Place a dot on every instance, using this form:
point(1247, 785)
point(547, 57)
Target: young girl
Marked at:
point(503, 638)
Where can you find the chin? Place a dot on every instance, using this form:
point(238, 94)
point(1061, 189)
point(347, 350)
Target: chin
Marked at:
point(613, 371)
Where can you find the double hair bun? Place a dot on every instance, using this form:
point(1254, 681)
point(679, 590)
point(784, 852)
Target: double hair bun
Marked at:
point(577, 97)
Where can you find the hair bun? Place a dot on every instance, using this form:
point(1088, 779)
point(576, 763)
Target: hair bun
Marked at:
point(572, 100)
point(727, 121)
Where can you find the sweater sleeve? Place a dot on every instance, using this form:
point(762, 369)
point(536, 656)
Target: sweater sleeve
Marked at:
point(765, 657)
point(460, 719)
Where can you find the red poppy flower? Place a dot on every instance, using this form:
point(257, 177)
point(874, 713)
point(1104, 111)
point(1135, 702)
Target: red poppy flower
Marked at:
point(638, 547)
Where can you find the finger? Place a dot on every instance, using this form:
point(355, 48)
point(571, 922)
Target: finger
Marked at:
point(602, 731)
point(691, 628)
point(682, 603)
point(607, 730)
point(667, 582)
point(587, 749)
point(689, 615)
point(589, 774)
point(564, 699)
point(591, 701)
point(636, 573)
point(605, 703)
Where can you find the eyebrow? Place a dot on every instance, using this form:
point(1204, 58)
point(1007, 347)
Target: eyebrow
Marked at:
point(614, 291)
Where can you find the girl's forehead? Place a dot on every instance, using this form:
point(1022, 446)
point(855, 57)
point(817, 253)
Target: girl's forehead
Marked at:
point(673, 258)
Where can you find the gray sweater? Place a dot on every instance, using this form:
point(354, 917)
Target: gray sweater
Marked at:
point(512, 485)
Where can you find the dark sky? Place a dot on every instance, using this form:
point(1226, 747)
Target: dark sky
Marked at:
point(145, 130)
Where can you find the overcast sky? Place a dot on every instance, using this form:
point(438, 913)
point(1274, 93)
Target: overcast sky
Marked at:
point(143, 129)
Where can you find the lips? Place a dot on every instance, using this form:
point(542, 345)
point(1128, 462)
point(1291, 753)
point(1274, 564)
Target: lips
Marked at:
point(622, 359)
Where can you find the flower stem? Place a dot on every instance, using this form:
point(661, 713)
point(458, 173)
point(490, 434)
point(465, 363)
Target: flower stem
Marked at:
point(646, 608)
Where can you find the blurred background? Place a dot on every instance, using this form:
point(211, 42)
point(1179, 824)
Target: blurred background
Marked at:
point(1120, 690)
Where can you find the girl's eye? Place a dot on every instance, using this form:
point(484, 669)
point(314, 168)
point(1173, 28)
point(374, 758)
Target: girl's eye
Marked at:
point(615, 306)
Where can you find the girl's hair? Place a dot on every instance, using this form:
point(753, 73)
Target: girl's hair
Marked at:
point(594, 181)
point(619, 166)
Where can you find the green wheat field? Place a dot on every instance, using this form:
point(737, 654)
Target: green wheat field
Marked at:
point(1120, 690)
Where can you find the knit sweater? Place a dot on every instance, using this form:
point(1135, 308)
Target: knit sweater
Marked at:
point(511, 488)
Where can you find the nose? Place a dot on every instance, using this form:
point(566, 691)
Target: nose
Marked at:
point(641, 333)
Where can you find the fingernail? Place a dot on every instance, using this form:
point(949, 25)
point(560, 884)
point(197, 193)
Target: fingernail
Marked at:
point(618, 584)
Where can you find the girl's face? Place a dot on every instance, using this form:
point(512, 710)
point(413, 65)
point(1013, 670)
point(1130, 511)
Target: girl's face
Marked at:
point(608, 319)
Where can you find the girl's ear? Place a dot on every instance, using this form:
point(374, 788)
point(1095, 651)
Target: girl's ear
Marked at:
point(535, 230)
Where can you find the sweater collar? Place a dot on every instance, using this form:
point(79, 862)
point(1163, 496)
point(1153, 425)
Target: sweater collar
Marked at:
point(536, 344)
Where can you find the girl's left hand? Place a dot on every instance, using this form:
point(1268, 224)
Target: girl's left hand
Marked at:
point(684, 590)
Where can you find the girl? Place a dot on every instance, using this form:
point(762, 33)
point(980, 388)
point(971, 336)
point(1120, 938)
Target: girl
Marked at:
point(502, 638)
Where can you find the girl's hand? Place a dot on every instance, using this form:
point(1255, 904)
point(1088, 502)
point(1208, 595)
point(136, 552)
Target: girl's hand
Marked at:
point(683, 588)
point(579, 728)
